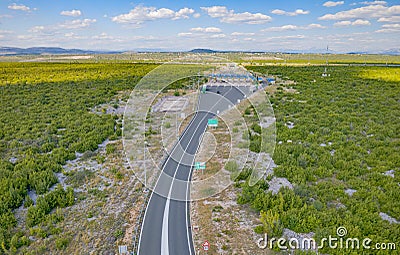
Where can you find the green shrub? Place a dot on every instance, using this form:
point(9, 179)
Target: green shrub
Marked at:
point(118, 233)
point(259, 229)
point(62, 243)
point(110, 148)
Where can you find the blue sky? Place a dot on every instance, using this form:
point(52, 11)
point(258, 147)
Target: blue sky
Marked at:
point(181, 25)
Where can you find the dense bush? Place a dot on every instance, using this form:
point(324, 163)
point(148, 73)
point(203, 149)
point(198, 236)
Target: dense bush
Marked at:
point(345, 136)
point(46, 118)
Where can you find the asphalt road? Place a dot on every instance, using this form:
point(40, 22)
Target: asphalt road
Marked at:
point(166, 225)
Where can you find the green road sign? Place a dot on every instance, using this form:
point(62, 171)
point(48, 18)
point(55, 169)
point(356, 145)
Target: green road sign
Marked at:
point(204, 89)
point(200, 165)
point(212, 122)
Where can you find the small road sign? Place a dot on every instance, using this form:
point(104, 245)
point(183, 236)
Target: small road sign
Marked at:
point(206, 246)
point(122, 249)
point(200, 165)
point(212, 122)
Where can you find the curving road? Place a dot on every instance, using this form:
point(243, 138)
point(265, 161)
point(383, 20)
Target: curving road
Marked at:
point(166, 225)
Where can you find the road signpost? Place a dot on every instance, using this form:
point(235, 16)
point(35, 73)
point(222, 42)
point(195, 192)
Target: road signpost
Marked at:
point(122, 249)
point(206, 246)
point(212, 122)
point(200, 166)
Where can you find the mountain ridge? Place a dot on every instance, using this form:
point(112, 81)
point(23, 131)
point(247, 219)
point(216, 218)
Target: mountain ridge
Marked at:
point(15, 51)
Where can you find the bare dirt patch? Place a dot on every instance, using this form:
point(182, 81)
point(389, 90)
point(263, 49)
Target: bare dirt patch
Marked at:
point(227, 226)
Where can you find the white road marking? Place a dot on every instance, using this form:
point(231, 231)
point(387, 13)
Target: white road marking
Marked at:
point(151, 195)
point(164, 233)
point(165, 225)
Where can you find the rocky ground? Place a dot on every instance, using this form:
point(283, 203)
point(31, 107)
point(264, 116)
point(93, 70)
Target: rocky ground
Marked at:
point(227, 226)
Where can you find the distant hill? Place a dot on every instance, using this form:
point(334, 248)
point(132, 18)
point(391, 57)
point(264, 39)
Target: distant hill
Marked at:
point(391, 52)
point(309, 51)
point(14, 51)
point(203, 51)
point(395, 52)
point(48, 51)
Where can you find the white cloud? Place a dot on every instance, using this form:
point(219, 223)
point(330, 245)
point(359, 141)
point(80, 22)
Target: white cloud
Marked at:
point(374, 3)
point(216, 11)
point(293, 27)
point(389, 28)
point(247, 18)
point(103, 36)
point(342, 23)
point(242, 34)
point(72, 13)
point(282, 28)
point(229, 16)
point(19, 7)
point(71, 34)
point(295, 13)
point(370, 11)
point(358, 22)
point(6, 32)
point(206, 29)
point(288, 37)
point(57, 28)
point(183, 13)
point(185, 34)
point(333, 4)
point(313, 25)
point(392, 19)
point(37, 29)
point(218, 36)
point(202, 35)
point(361, 22)
point(76, 24)
point(140, 14)
point(249, 39)
point(196, 15)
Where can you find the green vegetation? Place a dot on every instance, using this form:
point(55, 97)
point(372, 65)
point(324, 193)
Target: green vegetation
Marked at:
point(38, 73)
point(118, 233)
point(319, 59)
point(44, 204)
point(110, 148)
point(62, 243)
point(345, 137)
point(46, 118)
point(385, 74)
